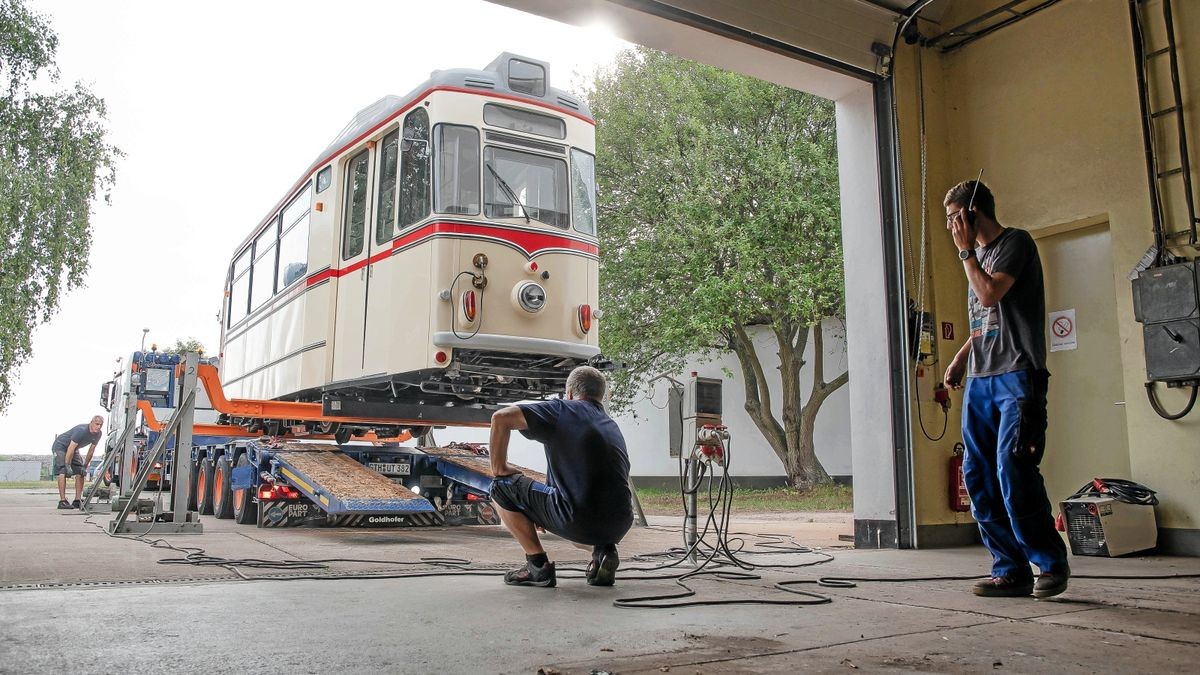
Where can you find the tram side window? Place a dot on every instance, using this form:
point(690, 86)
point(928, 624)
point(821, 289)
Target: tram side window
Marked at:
point(356, 205)
point(293, 242)
point(456, 170)
point(385, 209)
point(414, 168)
point(239, 289)
point(262, 274)
point(583, 190)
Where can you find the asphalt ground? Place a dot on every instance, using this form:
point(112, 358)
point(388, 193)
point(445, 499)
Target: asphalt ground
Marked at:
point(73, 599)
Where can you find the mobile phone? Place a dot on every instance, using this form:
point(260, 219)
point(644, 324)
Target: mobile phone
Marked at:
point(971, 203)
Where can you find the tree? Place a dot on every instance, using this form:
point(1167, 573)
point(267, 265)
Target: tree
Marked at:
point(719, 212)
point(54, 160)
point(182, 346)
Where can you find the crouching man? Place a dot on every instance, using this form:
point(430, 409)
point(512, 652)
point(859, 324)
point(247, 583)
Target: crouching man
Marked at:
point(586, 497)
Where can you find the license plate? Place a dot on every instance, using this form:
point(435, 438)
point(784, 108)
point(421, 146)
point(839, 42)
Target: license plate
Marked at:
point(392, 468)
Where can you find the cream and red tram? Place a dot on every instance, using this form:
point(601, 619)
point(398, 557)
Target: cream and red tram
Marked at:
point(439, 256)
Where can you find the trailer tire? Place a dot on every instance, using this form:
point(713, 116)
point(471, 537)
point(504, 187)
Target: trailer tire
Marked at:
point(245, 509)
point(204, 487)
point(222, 495)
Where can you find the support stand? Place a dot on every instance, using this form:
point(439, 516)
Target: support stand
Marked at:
point(180, 520)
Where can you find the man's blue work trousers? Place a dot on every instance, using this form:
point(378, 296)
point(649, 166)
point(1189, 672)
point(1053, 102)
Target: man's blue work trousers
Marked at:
point(1004, 430)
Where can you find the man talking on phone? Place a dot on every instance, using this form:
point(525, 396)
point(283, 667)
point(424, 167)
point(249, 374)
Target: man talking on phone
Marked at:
point(1004, 407)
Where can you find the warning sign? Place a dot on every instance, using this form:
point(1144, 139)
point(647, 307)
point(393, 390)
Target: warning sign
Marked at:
point(1063, 332)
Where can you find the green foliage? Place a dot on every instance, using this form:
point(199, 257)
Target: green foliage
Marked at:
point(54, 160)
point(719, 209)
point(181, 345)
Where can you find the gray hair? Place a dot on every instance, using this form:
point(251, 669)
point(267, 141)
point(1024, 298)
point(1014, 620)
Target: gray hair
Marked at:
point(97, 418)
point(586, 382)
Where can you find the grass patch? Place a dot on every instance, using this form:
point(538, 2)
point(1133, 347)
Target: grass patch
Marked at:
point(29, 485)
point(661, 501)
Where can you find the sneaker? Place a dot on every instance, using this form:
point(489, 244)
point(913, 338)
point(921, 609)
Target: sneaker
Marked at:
point(64, 504)
point(77, 504)
point(532, 576)
point(1003, 587)
point(602, 570)
point(1050, 584)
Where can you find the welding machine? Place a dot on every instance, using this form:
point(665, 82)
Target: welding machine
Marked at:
point(1110, 517)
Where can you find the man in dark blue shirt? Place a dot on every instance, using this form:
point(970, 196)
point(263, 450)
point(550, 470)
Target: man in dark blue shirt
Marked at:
point(67, 460)
point(586, 497)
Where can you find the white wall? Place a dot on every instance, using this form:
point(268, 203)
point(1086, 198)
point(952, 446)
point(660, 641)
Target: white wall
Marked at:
point(20, 470)
point(645, 425)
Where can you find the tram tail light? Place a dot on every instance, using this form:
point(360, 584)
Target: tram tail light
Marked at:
point(531, 267)
point(469, 306)
point(585, 318)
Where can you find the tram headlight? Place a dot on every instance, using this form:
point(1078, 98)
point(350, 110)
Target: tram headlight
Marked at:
point(530, 296)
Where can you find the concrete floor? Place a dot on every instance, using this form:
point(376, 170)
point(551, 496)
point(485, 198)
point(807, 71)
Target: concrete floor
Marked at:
point(75, 600)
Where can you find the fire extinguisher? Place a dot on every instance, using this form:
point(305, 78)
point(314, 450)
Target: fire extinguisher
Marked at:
point(959, 499)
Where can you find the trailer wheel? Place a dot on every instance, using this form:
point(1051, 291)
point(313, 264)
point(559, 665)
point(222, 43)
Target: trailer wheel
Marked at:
point(222, 495)
point(204, 487)
point(245, 509)
point(341, 435)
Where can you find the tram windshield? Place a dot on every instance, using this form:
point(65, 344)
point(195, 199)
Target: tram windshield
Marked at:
point(537, 183)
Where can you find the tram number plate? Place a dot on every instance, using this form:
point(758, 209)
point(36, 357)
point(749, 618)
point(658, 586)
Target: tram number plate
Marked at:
point(392, 468)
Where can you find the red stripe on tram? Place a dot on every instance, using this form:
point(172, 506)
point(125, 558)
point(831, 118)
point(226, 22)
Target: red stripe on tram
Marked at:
point(532, 243)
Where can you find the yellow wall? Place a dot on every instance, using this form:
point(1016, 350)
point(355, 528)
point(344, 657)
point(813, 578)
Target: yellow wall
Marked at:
point(1049, 107)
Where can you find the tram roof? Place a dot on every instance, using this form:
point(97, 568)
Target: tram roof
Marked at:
point(493, 77)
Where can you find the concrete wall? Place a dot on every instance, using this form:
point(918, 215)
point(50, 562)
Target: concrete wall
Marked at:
point(1049, 107)
point(11, 471)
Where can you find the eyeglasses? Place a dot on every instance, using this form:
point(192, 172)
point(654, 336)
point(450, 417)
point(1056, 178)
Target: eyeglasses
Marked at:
point(952, 216)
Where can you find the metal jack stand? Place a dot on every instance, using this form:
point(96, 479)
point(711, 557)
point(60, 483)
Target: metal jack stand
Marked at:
point(178, 426)
point(109, 459)
point(690, 534)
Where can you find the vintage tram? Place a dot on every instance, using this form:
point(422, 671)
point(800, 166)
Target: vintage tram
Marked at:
point(440, 256)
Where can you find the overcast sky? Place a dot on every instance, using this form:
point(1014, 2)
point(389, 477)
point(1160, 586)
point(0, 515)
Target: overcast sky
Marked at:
point(219, 106)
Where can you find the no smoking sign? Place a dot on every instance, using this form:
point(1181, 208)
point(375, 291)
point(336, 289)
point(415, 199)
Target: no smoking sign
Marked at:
point(1063, 334)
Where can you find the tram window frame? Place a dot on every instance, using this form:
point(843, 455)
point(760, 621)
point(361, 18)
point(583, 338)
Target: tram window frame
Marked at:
point(385, 213)
point(365, 157)
point(562, 176)
point(242, 276)
point(575, 185)
point(415, 171)
point(324, 178)
point(439, 185)
point(294, 231)
point(268, 258)
point(511, 117)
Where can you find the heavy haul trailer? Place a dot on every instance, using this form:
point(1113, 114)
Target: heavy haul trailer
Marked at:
point(289, 479)
point(290, 483)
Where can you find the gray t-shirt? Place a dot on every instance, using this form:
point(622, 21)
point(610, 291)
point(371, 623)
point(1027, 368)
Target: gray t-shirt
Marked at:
point(1010, 336)
point(80, 434)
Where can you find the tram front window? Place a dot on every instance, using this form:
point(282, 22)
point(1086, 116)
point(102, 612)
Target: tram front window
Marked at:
point(538, 183)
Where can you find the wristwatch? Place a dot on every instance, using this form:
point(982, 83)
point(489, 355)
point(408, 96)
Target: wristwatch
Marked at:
point(966, 253)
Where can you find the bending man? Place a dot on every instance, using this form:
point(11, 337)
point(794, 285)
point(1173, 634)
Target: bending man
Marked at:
point(67, 461)
point(586, 497)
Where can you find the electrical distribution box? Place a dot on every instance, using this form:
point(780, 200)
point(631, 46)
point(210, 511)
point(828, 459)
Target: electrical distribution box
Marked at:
point(1166, 303)
point(695, 404)
point(1103, 526)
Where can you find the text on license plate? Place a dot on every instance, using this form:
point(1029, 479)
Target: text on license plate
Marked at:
point(396, 468)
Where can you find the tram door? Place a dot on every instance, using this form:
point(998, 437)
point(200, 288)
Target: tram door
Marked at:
point(350, 320)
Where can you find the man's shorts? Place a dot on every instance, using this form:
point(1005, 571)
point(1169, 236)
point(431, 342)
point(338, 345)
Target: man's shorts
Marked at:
point(522, 494)
point(60, 464)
